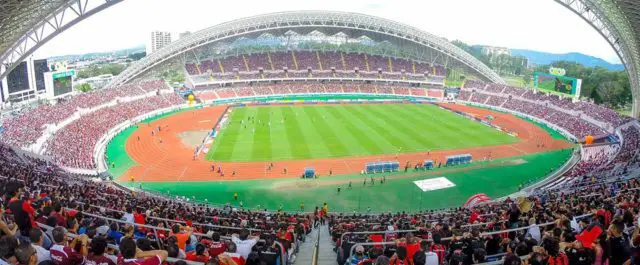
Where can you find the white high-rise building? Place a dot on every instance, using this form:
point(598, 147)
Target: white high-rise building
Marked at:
point(159, 39)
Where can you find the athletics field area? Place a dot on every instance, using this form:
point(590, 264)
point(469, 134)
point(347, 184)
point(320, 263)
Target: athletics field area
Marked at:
point(337, 140)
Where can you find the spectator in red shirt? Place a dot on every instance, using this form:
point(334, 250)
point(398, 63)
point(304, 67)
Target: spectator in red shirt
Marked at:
point(97, 255)
point(199, 255)
point(63, 253)
point(216, 247)
point(58, 213)
point(131, 255)
point(23, 213)
point(231, 255)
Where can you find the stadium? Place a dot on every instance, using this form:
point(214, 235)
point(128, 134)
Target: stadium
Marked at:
point(292, 118)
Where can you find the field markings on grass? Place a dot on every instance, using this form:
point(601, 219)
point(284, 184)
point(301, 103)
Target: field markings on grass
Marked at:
point(407, 125)
point(295, 135)
point(371, 140)
point(225, 142)
point(280, 141)
point(434, 184)
point(313, 139)
point(329, 138)
point(360, 141)
point(386, 132)
point(262, 137)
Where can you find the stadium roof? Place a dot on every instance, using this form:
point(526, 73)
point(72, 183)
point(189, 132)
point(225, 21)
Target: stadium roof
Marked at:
point(618, 21)
point(25, 25)
point(433, 48)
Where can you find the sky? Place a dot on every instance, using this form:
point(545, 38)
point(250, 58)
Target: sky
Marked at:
point(541, 25)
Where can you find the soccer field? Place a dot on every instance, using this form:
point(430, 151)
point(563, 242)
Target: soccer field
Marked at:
point(323, 131)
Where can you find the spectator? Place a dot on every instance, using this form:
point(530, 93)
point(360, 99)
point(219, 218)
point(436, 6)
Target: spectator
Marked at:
point(182, 235)
point(63, 252)
point(23, 213)
point(199, 255)
point(98, 254)
point(37, 239)
point(26, 254)
point(131, 255)
point(244, 242)
point(8, 245)
point(357, 257)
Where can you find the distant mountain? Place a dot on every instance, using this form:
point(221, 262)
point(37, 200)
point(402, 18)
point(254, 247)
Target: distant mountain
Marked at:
point(543, 58)
point(74, 57)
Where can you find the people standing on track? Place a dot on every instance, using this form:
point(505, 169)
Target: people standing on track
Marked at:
point(213, 167)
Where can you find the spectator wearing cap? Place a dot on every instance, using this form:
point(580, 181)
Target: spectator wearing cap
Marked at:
point(133, 256)
point(98, 255)
point(37, 238)
point(244, 242)
point(357, 257)
point(26, 254)
point(63, 253)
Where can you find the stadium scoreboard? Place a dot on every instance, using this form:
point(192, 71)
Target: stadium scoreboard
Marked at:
point(555, 82)
point(59, 83)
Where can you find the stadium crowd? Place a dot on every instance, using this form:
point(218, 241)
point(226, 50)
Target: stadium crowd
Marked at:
point(597, 112)
point(304, 64)
point(73, 145)
point(45, 203)
point(316, 88)
point(25, 128)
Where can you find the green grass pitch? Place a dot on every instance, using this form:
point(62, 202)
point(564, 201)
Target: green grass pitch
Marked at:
point(329, 131)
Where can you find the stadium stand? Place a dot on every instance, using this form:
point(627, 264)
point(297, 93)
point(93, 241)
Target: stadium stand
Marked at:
point(25, 128)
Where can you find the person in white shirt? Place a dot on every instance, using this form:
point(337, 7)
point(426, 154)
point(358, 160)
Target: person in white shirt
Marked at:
point(431, 258)
point(244, 242)
point(534, 230)
point(37, 237)
point(128, 217)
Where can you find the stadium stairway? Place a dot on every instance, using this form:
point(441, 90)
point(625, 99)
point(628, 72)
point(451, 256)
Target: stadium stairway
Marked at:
point(326, 256)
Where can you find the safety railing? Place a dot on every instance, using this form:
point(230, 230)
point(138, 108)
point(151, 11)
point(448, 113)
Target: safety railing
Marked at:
point(316, 250)
point(283, 253)
point(450, 238)
point(49, 229)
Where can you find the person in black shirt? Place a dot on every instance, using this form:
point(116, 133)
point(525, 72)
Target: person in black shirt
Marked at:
point(618, 244)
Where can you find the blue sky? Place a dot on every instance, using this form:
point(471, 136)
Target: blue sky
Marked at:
point(541, 25)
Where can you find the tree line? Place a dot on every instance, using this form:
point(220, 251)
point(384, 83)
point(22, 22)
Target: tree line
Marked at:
point(610, 88)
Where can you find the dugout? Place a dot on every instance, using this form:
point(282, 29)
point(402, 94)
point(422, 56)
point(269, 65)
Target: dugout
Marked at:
point(309, 172)
point(380, 167)
point(458, 159)
point(427, 164)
